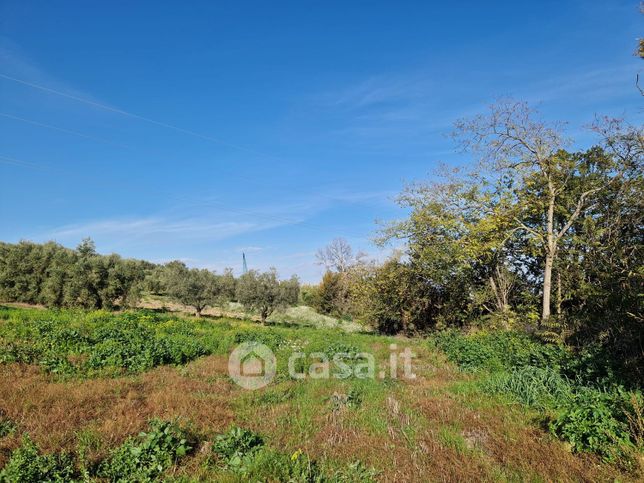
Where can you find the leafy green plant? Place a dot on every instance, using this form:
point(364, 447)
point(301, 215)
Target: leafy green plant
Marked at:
point(7, 426)
point(28, 465)
point(236, 447)
point(593, 420)
point(145, 458)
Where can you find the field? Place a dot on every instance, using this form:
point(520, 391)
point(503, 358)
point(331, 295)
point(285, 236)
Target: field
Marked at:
point(139, 396)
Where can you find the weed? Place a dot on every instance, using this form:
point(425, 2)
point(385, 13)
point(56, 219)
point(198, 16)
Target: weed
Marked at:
point(148, 456)
point(28, 465)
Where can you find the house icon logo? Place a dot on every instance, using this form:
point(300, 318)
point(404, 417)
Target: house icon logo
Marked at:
point(252, 365)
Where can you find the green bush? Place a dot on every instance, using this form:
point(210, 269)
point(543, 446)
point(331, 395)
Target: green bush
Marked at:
point(594, 421)
point(145, 458)
point(497, 350)
point(28, 465)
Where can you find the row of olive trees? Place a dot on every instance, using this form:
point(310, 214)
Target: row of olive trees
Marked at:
point(55, 276)
point(260, 292)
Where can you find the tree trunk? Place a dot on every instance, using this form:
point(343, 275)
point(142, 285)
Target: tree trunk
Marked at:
point(550, 256)
point(547, 286)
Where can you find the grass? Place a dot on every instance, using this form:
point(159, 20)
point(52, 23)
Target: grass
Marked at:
point(166, 414)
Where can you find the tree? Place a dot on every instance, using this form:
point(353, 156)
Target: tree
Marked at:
point(523, 158)
point(194, 287)
point(393, 299)
point(338, 256)
point(332, 294)
point(264, 292)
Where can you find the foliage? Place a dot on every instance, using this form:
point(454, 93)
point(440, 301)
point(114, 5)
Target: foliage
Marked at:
point(594, 420)
point(332, 297)
point(592, 410)
point(264, 292)
point(145, 458)
point(243, 452)
point(236, 448)
point(56, 276)
point(393, 299)
point(197, 288)
point(131, 342)
point(27, 464)
point(497, 350)
point(540, 387)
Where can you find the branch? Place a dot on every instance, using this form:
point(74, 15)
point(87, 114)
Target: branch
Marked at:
point(575, 214)
point(530, 230)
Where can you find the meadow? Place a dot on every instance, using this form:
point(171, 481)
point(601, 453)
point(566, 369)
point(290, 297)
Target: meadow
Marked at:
point(145, 396)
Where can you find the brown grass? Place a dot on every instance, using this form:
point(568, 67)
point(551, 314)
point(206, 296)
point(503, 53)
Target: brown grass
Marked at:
point(54, 412)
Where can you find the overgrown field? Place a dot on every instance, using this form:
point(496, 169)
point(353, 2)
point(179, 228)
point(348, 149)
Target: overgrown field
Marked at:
point(140, 396)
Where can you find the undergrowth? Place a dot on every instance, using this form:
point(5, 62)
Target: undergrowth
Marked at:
point(581, 397)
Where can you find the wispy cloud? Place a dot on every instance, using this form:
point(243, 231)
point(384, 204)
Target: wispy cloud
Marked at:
point(147, 229)
point(378, 91)
point(15, 63)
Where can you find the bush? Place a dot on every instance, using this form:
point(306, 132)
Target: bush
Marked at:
point(145, 458)
point(28, 465)
point(594, 421)
point(497, 350)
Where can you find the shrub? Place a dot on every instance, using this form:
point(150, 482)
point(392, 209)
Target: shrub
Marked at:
point(593, 420)
point(497, 350)
point(28, 465)
point(145, 458)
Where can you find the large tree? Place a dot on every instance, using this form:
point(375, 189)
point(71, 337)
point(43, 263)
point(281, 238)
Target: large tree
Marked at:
point(549, 190)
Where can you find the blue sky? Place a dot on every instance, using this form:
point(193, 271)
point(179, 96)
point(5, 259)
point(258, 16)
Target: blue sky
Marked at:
point(198, 130)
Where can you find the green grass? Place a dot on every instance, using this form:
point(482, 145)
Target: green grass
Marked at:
point(337, 429)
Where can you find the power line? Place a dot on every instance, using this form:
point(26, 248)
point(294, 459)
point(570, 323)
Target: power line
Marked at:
point(60, 129)
point(133, 115)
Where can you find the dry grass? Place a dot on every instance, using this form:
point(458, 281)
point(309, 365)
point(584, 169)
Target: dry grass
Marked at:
point(53, 413)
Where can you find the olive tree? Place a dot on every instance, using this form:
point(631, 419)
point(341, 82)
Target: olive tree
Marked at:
point(264, 292)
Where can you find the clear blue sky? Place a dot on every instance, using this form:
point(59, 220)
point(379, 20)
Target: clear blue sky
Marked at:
point(198, 130)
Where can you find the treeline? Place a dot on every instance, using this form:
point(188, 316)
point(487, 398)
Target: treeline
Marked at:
point(55, 276)
point(535, 238)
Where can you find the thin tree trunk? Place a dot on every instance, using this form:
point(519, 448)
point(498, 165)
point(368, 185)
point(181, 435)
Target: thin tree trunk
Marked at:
point(559, 295)
point(547, 287)
point(550, 256)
